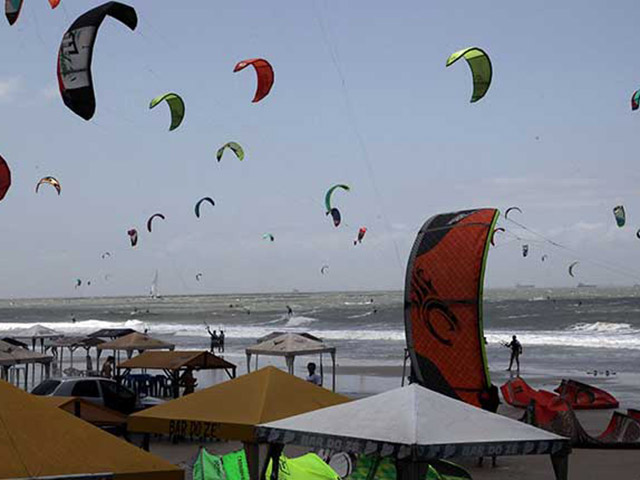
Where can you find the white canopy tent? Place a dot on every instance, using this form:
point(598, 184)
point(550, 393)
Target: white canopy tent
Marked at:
point(414, 425)
point(290, 345)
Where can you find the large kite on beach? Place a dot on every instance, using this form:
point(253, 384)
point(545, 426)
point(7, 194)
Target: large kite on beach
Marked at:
point(265, 75)
point(12, 9)
point(620, 216)
point(150, 221)
point(5, 178)
point(234, 147)
point(200, 202)
point(176, 107)
point(76, 52)
point(480, 66)
point(443, 304)
point(49, 181)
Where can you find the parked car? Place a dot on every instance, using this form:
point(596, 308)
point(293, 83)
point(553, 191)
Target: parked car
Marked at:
point(102, 391)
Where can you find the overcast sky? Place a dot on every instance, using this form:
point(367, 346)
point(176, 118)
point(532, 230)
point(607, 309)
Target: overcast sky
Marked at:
point(362, 97)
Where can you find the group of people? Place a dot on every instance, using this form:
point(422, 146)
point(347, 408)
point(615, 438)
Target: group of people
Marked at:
point(217, 340)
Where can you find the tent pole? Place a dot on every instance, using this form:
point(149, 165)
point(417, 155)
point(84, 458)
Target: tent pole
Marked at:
point(26, 377)
point(333, 371)
point(321, 371)
point(248, 363)
point(252, 452)
point(560, 462)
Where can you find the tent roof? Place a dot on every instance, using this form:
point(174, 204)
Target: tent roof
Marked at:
point(37, 331)
point(87, 411)
point(273, 335)
point(76, 342)
point(413, 419)
point(12, 355)
point(136, 341)
point(111, 332)
point(290, 344)
point(231, 409)
point(201, 360)
point(37, 440)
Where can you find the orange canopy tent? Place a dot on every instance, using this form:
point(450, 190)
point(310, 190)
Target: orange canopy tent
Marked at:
point(39, 441)
point(87, 411)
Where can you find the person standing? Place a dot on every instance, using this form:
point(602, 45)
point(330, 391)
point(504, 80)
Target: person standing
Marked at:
point(107, 367)
point(188, 381)
point(221, 342)
point(516, 350)
point(215, 341)
point(313, 377)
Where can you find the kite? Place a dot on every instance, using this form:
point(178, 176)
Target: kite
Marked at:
point(638, 233)
point(51, 181)
point(105, 255)
point(176, 107)
point(78, 282)
point(335, 215)
point(76, 51)
point(571, 268)
point(525, 250)
point(150, 221)
point(197, 207)
point(618, 213)
point(506, 213)
point(268, 236)
point(198, 276)
point(544, 257)
point(361, 233)
point(12, 9)
point(329, 194)
point(264, 71)
point(323, 269)
point(480, 66)
point(5, 178)
point(493, 234)
point(234, 147)
point(133, 236)
point(635, 100)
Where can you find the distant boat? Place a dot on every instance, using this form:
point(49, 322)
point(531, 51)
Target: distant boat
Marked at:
point(586, 285)
point(153, 292)
point(525, 285)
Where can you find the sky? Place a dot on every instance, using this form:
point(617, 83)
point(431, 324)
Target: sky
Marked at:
point(361, 97)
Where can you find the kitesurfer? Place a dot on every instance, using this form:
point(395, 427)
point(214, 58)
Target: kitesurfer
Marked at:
point(289, 311)
point(221, 342)
point(313, 377)
point(516, 351)
point(215, 341)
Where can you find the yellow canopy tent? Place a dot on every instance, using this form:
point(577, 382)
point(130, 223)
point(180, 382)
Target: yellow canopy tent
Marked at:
point(232, 409)
point(132, 342)
point(87, 411)
point(39, 441)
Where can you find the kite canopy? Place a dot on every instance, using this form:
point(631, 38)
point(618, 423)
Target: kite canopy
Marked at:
point(268, 236)
point(620, 216)
point(150, 221)
point(205, 199)
point(198, 276)
point(361, 233)
point(264, 71)
point(493, 235)
point(635, 100)
point(76, 52)
point(335, 216)
point(525, 250)
point(443, 303)
point(323, 269)
point(329, 194)
point(571, 267)
point(176, 107)
point(51, 181)
point(5, 178)
point(12, 9)
point(234, 147)
point(506, 213)
point(133, 236)
point(480, 66)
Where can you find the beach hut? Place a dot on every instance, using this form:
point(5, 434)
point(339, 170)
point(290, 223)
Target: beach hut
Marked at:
point(72, 344)
point(413, 425)
point(12, 356)
point(291, 345)
point(37, 332)
point(134, 341)
point(111, 333)
point(173, 364)
point(232, 409)
point(38, 441)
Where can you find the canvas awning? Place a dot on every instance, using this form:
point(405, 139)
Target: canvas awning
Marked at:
point(290, 345)
point(38, 441)
point(87, 411)
point(111, 332)
point(37, 332)
point(413, 424)
point(176, 360)
point(136, 341)
point(11, 355)
point(232, 409)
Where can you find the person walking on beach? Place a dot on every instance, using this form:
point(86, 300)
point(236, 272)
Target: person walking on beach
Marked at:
point(313, 377)
point(215, 341)
point(221, 342)
point(516, 351)
point(107, 367)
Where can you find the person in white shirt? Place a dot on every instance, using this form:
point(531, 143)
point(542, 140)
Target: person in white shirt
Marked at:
point(313, 377)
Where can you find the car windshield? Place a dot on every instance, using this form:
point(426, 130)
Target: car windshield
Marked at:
point(46, 388)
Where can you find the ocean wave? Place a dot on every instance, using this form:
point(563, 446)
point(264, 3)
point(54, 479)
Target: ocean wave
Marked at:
point(603, 327)
point(299, 321)
point(361, 315)
point(368, 302)
point(78, 327)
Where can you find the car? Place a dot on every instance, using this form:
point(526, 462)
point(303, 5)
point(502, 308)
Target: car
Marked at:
point(102, 391)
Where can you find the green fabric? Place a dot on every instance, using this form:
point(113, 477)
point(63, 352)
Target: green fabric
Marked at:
point(235, 465)
point(480, 66)
point(307, 467)
point(234, 147)
point(327, 196)
point(176, 106)
point(365, 469)
point(208, 467)
point(432, 474)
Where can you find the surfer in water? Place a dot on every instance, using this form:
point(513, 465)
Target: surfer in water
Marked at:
point(289, 311)
point(516, 351)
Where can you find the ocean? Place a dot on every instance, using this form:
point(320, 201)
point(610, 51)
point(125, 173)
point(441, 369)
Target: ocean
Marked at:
point(591, 334)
